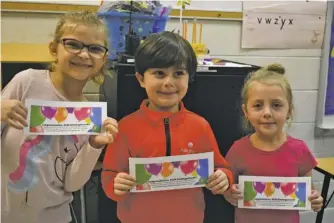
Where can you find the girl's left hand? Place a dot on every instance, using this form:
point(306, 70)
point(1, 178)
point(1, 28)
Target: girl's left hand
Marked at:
point(316, 201)
point(110, 127)
point(218, 182)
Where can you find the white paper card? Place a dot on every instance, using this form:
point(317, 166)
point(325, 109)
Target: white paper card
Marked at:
point(171, 172)
point(285, 193)
point(65, 118)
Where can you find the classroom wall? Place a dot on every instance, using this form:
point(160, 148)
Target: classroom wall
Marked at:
point(223, 38)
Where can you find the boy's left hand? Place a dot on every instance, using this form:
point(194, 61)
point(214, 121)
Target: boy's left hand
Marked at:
point(218, 182)
point(110, 127)
point(316, 201)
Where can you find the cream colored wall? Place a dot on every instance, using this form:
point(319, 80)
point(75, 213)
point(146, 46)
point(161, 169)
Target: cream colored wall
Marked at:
point(223, 38)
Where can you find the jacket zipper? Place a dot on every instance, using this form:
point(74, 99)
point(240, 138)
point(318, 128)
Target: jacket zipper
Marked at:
point(167, 133)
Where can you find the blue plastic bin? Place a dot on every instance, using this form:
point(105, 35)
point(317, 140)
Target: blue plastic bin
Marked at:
point(118, 26)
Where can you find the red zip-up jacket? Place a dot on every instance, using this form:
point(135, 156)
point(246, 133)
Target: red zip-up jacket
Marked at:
point(147, 133)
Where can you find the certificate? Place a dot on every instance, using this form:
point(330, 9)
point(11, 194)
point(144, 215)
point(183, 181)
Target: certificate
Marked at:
point(65, 118)
point(285, 193)
point(171, 172)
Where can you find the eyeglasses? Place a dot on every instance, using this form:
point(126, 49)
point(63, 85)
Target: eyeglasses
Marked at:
point(75, 47)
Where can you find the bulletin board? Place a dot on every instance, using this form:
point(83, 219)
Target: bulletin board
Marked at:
point(283, 24)
point(325, 110)
point(210, 9)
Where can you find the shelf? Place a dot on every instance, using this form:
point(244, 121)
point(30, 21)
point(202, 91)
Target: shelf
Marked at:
point(25, 52)
point(49, 7)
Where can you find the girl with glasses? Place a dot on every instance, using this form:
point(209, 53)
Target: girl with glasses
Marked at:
point(39, 173)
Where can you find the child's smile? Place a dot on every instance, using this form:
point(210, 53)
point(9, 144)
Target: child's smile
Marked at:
point(81, 65)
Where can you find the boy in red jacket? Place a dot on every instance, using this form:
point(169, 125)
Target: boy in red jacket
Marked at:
point(162, 126)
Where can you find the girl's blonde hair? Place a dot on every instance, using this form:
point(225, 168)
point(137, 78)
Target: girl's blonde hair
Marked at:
point(69, 21)
point(273, 74)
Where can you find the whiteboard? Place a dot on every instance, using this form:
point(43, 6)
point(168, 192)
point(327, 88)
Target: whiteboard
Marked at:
point(326, 79)
point(210, 5)
point(283, 25)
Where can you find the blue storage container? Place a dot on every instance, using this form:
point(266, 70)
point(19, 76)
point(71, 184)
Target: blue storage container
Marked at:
point(118, 26)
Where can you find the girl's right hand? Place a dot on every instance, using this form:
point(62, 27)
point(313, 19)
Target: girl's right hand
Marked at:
point(234, 195)
point(14, 113)
point(123, 183)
